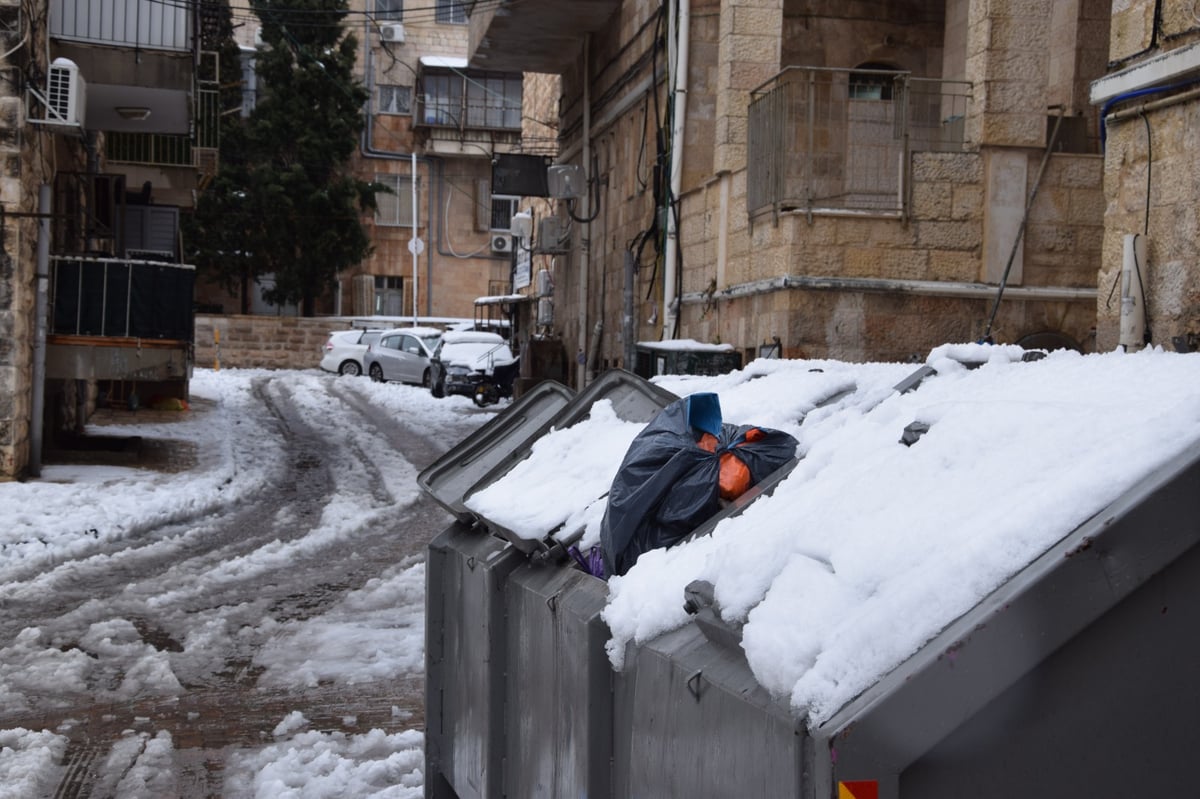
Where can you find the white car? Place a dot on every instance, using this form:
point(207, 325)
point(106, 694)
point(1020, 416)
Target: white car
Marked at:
point(402, 355)
point(344, 351)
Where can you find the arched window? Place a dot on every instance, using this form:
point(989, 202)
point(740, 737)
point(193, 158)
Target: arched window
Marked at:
point(869, 84)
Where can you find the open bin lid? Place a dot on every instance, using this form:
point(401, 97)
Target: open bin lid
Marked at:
point(633, 400)
point(498, 444)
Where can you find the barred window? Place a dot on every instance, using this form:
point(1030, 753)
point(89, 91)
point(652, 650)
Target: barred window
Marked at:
point(453, 12)
point(389, 9)
point(394, 209)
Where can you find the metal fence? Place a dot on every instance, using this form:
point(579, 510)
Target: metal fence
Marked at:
point(839, 140)
point(121, 297)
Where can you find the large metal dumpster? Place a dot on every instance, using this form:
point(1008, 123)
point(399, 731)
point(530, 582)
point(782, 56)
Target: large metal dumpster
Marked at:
point(691, 720)
point(465, 607)
point(1078, 677)
point(491, 613)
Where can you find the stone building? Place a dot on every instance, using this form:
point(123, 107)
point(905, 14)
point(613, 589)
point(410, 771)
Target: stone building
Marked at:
point(849, 180)
point(104, 137)
point(1150, 100)
point(429, 112)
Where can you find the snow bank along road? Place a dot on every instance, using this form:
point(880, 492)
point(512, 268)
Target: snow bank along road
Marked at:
point(161, 628)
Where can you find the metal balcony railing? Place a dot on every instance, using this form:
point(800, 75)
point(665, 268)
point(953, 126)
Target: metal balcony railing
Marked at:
point(142, 24)
point(121, 297)
point(840, 140)
point(164, 149)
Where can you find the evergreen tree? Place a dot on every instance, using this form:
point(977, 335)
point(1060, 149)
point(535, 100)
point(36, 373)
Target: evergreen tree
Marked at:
point(284, 202)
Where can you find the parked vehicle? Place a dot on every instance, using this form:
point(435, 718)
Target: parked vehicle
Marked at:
point(463, 359)
point(498, 385)
point(344, 351)
point(403, 355)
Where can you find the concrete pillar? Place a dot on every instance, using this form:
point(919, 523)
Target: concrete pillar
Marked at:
point(1008, 58)
point(748, 55)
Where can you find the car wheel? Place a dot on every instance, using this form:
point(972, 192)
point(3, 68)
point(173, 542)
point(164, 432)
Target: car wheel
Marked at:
point(426, 381)
point(377, 373)
point(350, 368)
point(438, 390)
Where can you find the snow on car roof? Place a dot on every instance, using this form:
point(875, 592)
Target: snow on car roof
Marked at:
point(423, 332)
point(460, 336)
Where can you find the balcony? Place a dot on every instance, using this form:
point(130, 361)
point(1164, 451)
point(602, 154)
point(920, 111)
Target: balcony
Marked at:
point(839, 141)
point(459, 109)
point(136, 57)
point(532, 35)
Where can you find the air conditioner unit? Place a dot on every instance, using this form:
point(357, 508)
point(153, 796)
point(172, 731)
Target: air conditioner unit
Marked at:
point(64, 102)
point(502, 242)
point(393, 32)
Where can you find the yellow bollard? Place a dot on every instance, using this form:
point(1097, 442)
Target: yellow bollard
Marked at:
point(217, 356)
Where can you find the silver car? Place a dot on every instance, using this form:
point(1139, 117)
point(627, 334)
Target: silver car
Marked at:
point(402, 355)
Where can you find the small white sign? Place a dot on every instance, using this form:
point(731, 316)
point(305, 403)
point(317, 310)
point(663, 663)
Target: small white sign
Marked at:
point(521, 275)
point(416, 246)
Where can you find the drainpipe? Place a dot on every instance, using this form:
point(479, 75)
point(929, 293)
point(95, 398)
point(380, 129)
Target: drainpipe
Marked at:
point(40, 310)
point(585, 213)
point(679, 31)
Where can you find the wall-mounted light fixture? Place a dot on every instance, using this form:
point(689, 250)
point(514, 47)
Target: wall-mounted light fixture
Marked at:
point(132, 112)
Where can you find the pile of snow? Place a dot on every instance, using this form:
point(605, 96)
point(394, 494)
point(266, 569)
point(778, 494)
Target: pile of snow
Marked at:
point(870, 546)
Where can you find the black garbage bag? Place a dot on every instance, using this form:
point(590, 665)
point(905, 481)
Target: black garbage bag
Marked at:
point(670, 481)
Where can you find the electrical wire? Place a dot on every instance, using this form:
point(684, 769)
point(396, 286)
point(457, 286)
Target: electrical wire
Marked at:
point(420, 13)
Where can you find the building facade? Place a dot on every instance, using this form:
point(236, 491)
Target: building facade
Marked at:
point(107, 129)
point(432, 129)
point(1150, 100)
point(857, 181)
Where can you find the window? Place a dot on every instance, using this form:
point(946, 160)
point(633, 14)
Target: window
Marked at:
point(453, 12)
point(493, 213)
point(871, 85)
point(395, 208)
point(389, 296)
point(389, 10)
point(393, 99)
point(443, 99)
point(492, 100)
point(503, 209)
point(249, 82)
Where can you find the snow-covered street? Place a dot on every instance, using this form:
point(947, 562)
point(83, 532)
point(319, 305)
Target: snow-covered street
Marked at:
point(248, 626)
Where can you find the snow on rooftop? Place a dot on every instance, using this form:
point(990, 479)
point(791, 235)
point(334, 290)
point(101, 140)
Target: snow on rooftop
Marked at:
point(870, 547)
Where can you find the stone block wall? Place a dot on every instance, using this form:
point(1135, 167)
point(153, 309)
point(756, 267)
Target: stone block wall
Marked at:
point(18, 192)
point(263, 342)
point(941, 241)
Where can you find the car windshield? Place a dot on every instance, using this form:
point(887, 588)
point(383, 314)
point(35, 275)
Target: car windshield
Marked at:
point(475, 354)
point(370, 337)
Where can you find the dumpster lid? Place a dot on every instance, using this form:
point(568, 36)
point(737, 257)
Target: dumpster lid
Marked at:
point(451, 477)
point(633, 399)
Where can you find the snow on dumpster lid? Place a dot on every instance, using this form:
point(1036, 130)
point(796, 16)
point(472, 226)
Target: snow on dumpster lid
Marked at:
point(870, 547)
point(684, 344)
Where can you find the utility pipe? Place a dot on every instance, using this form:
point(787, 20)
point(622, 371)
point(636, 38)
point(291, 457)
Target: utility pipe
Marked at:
point(40, 311)
point(1153, 105)
point(586, 213)
point(412, 242)
point(924, 288)
point(679, 31)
